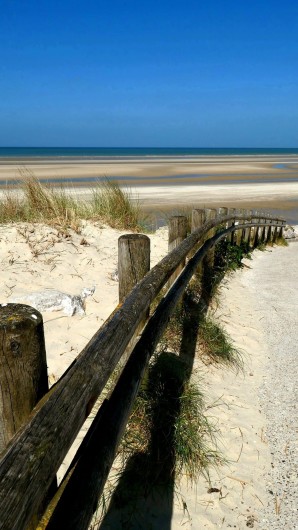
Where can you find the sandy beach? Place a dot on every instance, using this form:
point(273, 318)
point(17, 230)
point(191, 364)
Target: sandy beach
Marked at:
point(163, 183)
point(38, 258)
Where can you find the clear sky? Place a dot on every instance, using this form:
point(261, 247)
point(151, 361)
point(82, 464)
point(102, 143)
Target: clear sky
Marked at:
point(189, 73)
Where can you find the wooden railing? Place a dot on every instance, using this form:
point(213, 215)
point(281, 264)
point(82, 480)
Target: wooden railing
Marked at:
point(31, 459)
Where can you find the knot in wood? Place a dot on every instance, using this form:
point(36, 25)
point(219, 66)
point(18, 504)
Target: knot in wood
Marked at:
point(15, 348)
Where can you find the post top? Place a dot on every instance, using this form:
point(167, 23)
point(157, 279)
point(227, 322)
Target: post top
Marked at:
point(134, 237)
point(17, 314)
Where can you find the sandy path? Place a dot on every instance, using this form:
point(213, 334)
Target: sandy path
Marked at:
point(256, 413)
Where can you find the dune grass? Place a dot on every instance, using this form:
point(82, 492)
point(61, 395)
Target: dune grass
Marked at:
point(169, 426)
point(39, 202)
point(216, 347)
point(114, 205)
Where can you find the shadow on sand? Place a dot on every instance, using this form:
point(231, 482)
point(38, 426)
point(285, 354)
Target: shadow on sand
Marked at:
point(145, 493)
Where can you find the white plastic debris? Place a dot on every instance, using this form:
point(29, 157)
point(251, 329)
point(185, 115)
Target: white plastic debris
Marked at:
point(52, 300)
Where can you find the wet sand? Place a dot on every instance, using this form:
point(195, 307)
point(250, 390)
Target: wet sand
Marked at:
point(142, 168)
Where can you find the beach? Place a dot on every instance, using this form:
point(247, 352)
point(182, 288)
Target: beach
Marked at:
point(164, 183)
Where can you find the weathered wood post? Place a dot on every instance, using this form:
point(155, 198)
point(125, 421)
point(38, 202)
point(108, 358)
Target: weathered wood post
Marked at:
point(177, 232)
point(231, 237)
point(281, 231)
point(220, 212)
point(269, 231)
point(247, 231)
point(23, 375)
point(133, 265)
point(238, 233)
point(244, 237)
point(255, 233)
point(208, 262)
point(262, 230)
point(197, 220)
point(133, 261)
point(23, 367)
point(276, 233)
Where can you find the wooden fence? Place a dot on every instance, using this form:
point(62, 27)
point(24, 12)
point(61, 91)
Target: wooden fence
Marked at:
point(40, 439)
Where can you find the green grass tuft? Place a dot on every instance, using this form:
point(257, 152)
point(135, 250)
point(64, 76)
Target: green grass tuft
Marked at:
point(216, 346)
point(169, 425)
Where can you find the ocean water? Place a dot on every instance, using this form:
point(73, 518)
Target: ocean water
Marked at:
point(94, 152)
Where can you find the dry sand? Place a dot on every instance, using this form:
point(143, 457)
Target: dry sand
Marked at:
point(255, 411)
point(35, 258)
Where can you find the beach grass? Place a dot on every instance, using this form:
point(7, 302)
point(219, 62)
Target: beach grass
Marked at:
point(169, 426)
point(216, 347)
point(43, 203)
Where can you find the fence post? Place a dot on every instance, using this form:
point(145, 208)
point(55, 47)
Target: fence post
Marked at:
point(255, 233)
point(197, 218)
point(231, 236)
point(23, 367)
point(269, 231)
point(238, 233)
point(263, 229)
point(23, 374)
point(246, 234)
point(280, 235)
point(222, 211)
point(133, 261)
point(177, 232)
point(209, 258)
point(133, 265)
point(276, 234)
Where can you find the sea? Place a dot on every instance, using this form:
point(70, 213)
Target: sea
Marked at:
point(109, 152)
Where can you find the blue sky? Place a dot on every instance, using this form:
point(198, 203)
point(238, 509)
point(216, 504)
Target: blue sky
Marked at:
point(138, 73)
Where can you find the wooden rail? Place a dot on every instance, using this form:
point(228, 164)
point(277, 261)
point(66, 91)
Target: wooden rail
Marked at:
point(31, 460)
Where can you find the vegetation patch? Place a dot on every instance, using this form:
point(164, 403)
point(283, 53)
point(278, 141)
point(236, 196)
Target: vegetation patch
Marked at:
point(169, 425)
point(215, 345)
point(56, 206)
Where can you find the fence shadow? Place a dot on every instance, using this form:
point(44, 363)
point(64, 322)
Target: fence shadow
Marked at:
point(145, 493)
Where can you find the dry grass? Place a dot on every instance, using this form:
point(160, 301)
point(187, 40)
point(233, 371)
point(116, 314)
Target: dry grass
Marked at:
point(169, 425)
point(114, 205)
point(42, 203)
